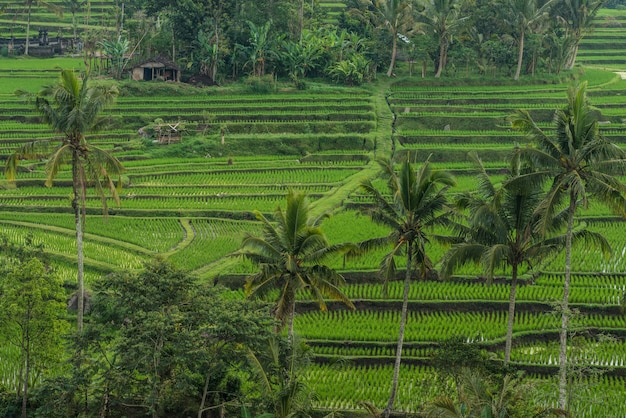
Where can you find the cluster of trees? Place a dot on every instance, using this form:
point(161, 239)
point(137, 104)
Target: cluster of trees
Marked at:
point(512, 225)
point(226, 39)
point(159, 339)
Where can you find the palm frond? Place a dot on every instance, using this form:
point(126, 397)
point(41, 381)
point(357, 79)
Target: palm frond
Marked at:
point(443, 407)
point(485, 187)
point(593, 239)
point(387, 268)
point(62, 155)
point(30, 151)
point(460, 255)
point(548, 207)
point(495, 256)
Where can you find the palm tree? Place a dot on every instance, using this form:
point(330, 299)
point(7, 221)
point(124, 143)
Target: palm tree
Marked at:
point(72, 108)
point(522, 15)
point(417, 204)
point(442, 16)
point(500, 233)
point(289, 256)
point(74, 6)
point(396, 16)
point(279, 370)
point(580, 164)
point(29, 6)
point(485, 397)
point(577, 17)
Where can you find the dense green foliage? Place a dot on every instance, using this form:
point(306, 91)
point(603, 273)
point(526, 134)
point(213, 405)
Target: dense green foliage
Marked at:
point(244, 146)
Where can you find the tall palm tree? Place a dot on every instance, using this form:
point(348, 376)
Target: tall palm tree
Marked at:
point(577, 16)
point(73, 108)
point(580, 164)
point(417, 204)
point(442, 16)
point(74, 6)
point(396, 16)
point(289, 255)
point(522, 15)
point(501, 233)
point(29, 7)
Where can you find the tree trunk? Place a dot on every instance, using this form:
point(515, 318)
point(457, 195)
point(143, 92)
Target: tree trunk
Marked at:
point(26, 373)
point(301, 16)
point(572, 59)
point(394, 47)
point(28, 28)
point(217, 51)
point(442, 56)
point(511, 320)
point(74, 26)
point(520, 56)
point(173, 46)
point(292, 315)
point(85, 55)
point(205, 391)
point(76, 206)
point(403, 317)
point(565, 304)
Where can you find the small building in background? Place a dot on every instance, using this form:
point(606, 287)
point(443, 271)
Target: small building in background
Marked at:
point(156, 68)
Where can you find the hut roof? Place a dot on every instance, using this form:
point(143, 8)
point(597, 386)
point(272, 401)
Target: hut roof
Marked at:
point(158, 59)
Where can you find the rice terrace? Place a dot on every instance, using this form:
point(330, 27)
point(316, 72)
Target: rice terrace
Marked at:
point(307, 209)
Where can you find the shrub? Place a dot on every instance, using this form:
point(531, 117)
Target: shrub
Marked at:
point(261, 85)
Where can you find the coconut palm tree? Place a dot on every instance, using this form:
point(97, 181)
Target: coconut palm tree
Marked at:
point(417, 204)
point(442, 17)
point(74, 6)
point(501, 233)
point(580, 164)
point(396, 16)
point(577, 16)
point(289, 255)
point(522, 15)
point(28, 4)
point(73, 108)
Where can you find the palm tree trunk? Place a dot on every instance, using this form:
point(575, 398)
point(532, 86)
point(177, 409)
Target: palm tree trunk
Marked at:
point(217, 51)
point(511, 320)
point(79, 242)
point(30, 3)
point(292, 315)
point(442, 56)
point(403, 317)
point(394, 47)
point(572, 59)
point(565, 305)
point(301, 17)
point(520, 56)
point(74, 26)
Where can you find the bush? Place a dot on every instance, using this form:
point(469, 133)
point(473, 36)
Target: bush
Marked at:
point(261, 85)
point(350, 72)
point(9, 406)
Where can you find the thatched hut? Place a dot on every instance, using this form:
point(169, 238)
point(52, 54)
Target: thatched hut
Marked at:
point(156, 68)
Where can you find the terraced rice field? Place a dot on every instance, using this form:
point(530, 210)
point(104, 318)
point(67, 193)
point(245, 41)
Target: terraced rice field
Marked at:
point(195, 210)
point(604, 46)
